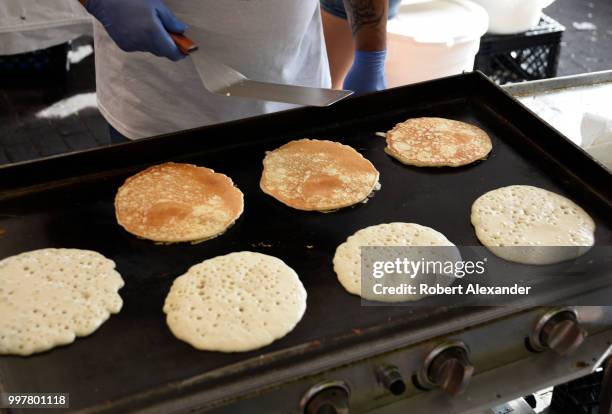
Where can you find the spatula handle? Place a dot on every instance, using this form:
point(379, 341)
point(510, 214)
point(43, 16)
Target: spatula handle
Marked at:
point(185, 44)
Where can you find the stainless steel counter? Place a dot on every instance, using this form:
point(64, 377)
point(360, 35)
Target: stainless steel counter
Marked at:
point(562, 102)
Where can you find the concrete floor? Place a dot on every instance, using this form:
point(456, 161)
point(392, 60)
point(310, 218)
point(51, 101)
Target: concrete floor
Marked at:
point(42, 120)
point(584, 50)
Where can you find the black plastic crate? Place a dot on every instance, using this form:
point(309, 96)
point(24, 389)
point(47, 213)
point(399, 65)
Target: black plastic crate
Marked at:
point(530, 55)
point(42, 66)
point(581, 396)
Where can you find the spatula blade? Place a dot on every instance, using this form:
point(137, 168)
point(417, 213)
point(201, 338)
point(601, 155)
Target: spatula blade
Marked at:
point(292, 94)
point(223, 80)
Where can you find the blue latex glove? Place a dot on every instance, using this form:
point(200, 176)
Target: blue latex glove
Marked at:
point(367, 73)
point(139, 25)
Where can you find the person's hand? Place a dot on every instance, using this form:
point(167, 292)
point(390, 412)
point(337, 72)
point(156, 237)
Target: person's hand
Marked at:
point(367, 73)
point(139, 25)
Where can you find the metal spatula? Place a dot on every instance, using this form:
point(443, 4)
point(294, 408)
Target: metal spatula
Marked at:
point(223, 80)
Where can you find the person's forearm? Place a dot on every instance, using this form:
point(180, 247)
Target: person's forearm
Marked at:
point(368, 20)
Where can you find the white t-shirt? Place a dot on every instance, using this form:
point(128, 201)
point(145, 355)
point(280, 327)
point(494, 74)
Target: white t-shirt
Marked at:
point(281, 41)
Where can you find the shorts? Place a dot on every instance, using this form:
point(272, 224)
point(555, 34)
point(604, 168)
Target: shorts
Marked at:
point(336, 7)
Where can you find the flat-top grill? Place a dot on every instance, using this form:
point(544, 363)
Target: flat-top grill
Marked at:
point(133, 361)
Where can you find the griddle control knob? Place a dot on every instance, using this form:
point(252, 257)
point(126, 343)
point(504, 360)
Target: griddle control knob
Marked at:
point(390, 377)
point(327, 398)
point(447, 367)
point(559, 330)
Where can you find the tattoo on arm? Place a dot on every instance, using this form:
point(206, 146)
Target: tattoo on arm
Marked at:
point(364, 13)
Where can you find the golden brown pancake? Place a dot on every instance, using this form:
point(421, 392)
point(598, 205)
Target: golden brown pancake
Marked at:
point(177, 203)
point(316, 175)
point(437, 142)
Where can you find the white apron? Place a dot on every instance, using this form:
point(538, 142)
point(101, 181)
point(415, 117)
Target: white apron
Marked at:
point(281, 41)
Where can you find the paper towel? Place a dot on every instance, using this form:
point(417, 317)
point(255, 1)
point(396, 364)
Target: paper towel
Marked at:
point(596, 131)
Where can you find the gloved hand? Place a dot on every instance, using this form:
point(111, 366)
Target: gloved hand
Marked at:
point(367, 73)
point(139, 25)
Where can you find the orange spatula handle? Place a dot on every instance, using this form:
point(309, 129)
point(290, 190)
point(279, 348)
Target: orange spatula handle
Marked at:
point(185, 44)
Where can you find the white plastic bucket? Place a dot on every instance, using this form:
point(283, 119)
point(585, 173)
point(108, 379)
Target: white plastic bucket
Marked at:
point(513, 16)
point(433, 38)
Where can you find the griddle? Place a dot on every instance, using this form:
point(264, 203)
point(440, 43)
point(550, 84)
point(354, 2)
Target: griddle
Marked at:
point(133, 360)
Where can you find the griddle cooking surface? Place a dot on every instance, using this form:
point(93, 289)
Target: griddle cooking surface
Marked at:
point(134, 350)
